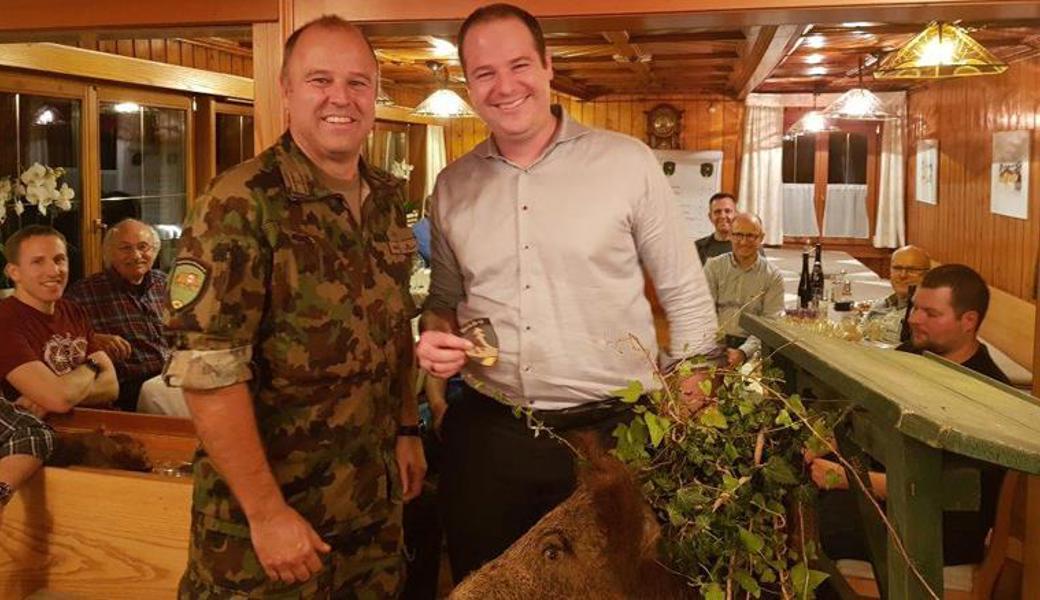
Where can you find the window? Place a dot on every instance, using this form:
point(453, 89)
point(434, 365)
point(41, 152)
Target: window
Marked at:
point(143, 154)
point(234, 140)
point(830, 182)
point(46, 130)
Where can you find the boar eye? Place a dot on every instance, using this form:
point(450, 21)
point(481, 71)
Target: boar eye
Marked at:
point(551, 552)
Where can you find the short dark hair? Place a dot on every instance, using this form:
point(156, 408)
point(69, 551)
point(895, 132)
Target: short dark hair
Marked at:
point(13, 245)
point(968, 290)
point(497, 12)
point(325, 22)
point(720, 196)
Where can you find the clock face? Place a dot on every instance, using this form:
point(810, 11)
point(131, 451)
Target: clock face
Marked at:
point(664, 122)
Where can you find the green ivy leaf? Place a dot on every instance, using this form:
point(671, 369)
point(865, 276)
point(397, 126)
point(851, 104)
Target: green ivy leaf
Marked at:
point(713, 591)
point(805, 580)
point(630, 393)
point(713, 417)
point(768, 576)
point(657, 426)
point(795, 403)
point(705, 386)
point(751, 541)
point(783, 418)
point(778, 471)
point(747, 582)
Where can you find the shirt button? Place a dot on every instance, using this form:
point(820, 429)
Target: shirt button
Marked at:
point(527, 287)
point(524, 207)
point(527, 327)
point(527, 246)
point(527, 369)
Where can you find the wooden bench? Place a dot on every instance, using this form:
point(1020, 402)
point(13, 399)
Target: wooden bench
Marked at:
point(101, 533)
point(910, 409)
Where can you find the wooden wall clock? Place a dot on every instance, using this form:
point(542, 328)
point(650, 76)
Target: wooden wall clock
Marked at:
point(664, 126)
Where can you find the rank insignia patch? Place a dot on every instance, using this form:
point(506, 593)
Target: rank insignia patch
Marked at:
point(186, 282)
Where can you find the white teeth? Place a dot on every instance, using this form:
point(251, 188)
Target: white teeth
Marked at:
point(512, 104)
point(338, 120)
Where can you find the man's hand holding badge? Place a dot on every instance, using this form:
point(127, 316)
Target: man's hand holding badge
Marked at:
point(442, 353)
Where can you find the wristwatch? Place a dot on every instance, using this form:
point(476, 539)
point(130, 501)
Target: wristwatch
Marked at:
point(92, 364)
point(409, 431)
point(6, 493)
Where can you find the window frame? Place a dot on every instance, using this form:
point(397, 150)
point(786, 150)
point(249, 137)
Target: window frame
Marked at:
point(873, 131)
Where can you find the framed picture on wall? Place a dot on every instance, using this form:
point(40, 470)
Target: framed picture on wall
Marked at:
point(927, 171)
point(1009, 178)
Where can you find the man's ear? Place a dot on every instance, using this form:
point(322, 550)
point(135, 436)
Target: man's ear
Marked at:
point(12, 273)
point(970, 321)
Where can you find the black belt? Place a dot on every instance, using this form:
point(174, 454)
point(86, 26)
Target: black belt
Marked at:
point(584, 415)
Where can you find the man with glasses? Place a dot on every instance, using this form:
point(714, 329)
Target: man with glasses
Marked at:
point(124, 305)
point(742, 282)
point(908, 267)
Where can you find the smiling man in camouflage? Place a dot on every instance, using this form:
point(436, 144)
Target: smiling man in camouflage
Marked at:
point(290, 306)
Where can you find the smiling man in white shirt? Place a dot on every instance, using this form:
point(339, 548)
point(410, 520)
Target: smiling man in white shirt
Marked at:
point(544, 229)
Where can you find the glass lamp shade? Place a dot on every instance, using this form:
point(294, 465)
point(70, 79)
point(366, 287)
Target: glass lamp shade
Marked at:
point(811, 122)
point(859, 104)
point(941, 50)
point(444, 103)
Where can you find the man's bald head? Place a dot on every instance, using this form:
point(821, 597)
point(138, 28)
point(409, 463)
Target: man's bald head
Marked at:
point(908, 266)
point(750, 219)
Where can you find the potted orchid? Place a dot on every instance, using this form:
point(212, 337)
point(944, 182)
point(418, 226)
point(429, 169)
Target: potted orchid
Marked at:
point(37, 186)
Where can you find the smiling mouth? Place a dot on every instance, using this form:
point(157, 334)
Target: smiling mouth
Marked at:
point(339, 120)
point(512, 104)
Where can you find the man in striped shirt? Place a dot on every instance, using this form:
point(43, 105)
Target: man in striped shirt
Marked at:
point(124, 305)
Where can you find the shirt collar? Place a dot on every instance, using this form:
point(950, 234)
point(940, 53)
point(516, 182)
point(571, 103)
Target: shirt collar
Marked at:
point(300, 174)
point(568, 130)
point(733, 261)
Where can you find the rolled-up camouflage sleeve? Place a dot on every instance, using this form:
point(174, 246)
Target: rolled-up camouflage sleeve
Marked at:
point(216, 290)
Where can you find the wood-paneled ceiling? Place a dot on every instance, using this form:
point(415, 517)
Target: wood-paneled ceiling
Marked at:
point(728, 62)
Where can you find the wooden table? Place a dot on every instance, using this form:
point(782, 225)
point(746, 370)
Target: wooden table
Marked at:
point(909, 410)
point(866, 284)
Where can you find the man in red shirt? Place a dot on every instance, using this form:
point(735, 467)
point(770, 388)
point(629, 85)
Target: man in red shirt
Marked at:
point(49, 361)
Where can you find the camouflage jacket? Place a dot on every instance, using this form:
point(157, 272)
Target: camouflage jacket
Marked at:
point(275, 283)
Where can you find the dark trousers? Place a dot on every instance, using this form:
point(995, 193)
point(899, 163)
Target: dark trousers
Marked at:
point(498, 479)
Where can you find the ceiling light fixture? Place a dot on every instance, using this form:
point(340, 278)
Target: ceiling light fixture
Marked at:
point(443, 103)
point(443, 48)
point(858, 104)
point(941, 50)
point(817, 71)
point(816, 41)
point(814, 59)
point(811, 123)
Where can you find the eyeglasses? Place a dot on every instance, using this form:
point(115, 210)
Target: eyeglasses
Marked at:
point(744, 237)
point(143, 248)
point(906, 270)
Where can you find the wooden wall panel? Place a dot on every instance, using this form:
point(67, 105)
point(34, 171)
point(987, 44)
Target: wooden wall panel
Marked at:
point(963, 115)
point(176, 51)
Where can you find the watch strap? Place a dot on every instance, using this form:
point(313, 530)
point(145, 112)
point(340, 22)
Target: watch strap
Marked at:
point(409, 431)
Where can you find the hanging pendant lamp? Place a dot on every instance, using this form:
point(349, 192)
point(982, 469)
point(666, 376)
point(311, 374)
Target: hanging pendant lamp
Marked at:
point(443, 103)
point(812, 122)
point(941, 50)
point(858, 104)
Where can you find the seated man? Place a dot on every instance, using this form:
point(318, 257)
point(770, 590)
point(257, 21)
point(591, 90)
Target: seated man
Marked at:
point(743, 282)
point(49, 361)
point(25, 442)
point(949, 307)
point(124, 304)
point(721, 209)
point(908, 265)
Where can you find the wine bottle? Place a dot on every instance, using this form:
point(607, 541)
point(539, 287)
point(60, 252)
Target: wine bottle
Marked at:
point(817, 275)
point(805, 290)
point(904, 325)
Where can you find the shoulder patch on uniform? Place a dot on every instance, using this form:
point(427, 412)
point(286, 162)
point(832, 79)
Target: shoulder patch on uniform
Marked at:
point(187, 280)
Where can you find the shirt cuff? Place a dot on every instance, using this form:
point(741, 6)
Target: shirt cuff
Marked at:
point(208, 369)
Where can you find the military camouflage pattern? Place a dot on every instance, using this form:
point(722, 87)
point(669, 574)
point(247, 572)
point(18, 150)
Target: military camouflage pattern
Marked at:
point(324, 306)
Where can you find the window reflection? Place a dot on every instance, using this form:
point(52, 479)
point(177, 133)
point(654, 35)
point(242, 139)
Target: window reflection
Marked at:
point(143, 169)
point(44, 130)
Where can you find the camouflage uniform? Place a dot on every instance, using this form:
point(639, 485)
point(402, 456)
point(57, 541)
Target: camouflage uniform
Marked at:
point(276, 284)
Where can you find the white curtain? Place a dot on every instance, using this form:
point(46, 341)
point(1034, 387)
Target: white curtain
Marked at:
point(761, 173)
point(890, 230)
point(436, 156)
point(799, 210)
point(845, 212)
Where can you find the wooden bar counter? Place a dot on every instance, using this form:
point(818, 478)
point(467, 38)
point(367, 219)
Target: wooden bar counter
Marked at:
point(102, 533)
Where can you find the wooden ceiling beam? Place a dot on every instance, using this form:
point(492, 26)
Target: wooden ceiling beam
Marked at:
point(651, 38)
point(764, 51)
point(686, 56)
point(563, 83)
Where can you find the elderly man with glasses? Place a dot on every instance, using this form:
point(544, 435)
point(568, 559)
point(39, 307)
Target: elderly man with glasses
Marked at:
point(742, 281)
point(124, 304)
point(908, 266)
